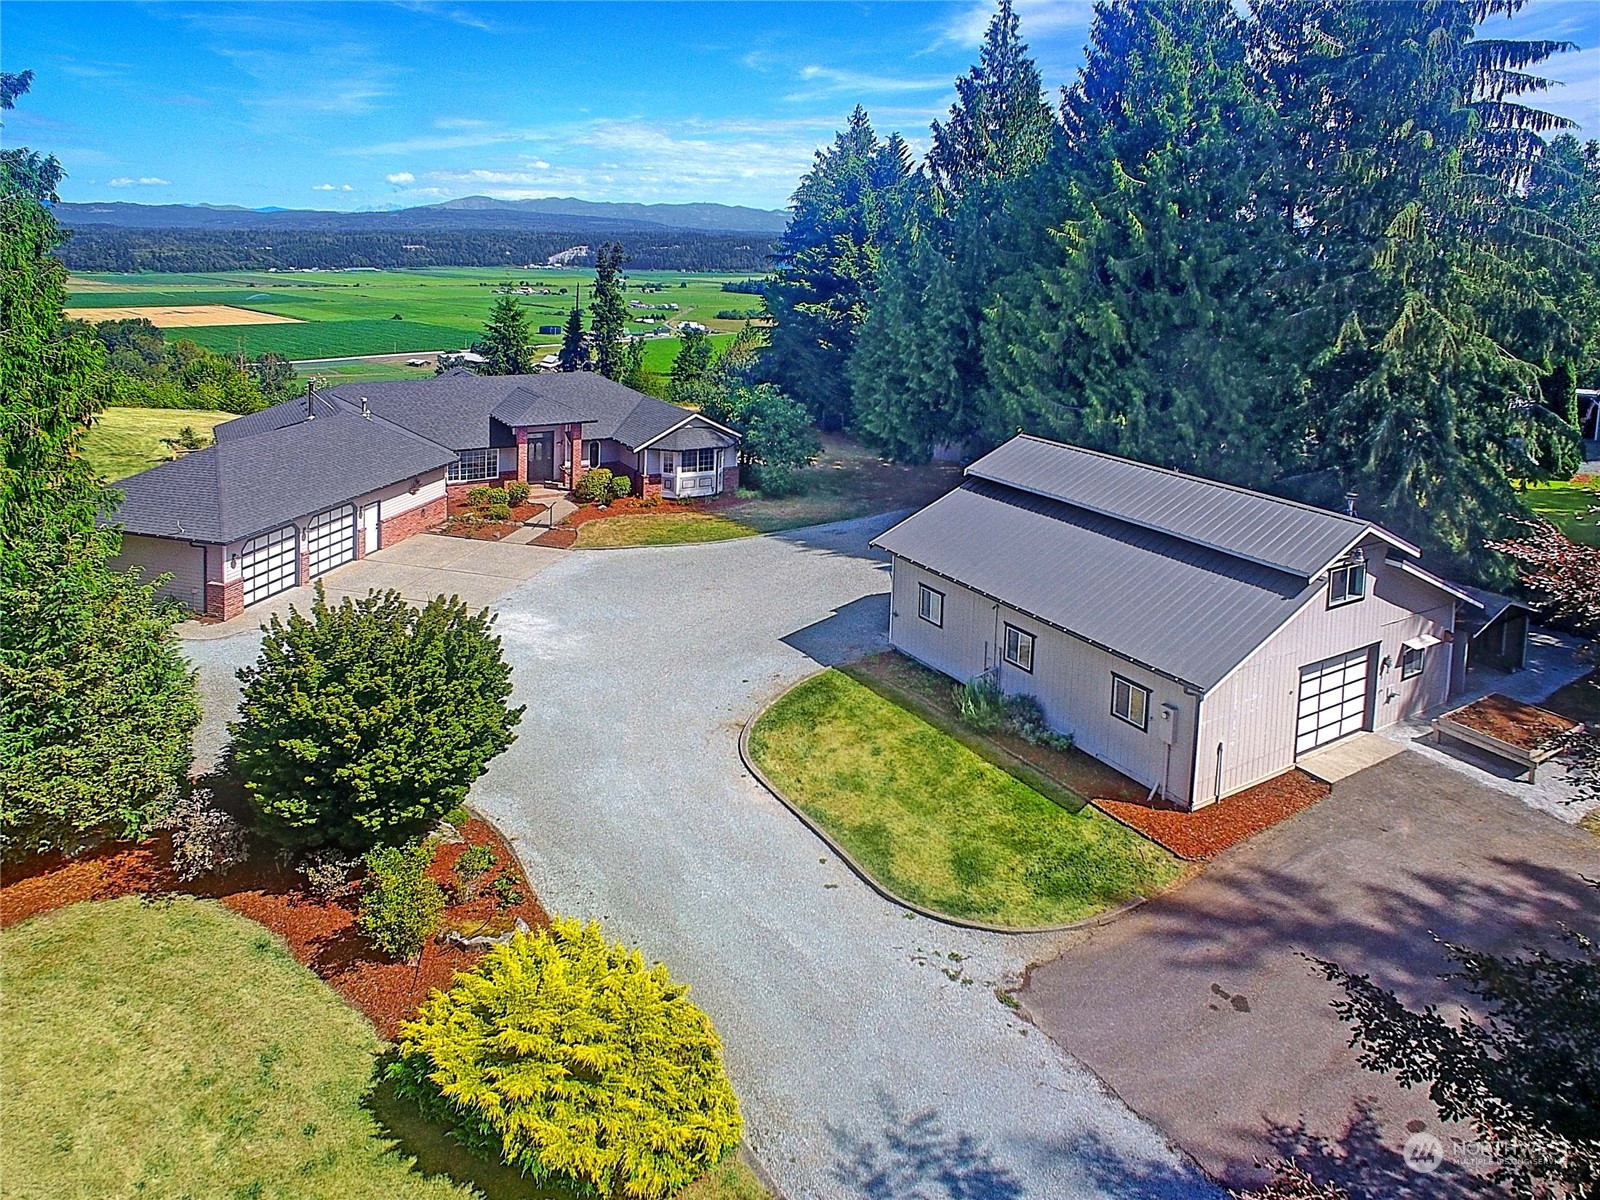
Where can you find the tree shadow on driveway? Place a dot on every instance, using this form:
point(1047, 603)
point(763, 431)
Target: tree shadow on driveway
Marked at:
point(917, 1157)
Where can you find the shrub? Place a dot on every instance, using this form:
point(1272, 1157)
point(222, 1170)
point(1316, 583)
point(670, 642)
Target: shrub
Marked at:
point(621, 485)
point(517, 491)
point(496, 496)
point(478, 497)
point(506, 892)
point(401, 908)
point(1025, 718)
point(474, 863)
point(328, 875)
point(572, 1061)
point(205, 840)
point(595, 486)
point(458, 816)
point(499, 512)
point(981, 704)
point(364, 723)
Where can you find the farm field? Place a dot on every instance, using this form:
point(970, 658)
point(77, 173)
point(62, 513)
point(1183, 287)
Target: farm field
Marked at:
point(339, 314)
point(125, 441)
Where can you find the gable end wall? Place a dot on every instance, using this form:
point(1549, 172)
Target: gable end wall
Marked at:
point(1251, 714)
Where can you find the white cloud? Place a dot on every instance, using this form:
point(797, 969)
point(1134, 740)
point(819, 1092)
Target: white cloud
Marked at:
point(346, 188)
point(401, 177)
point(1037, 18)
point(829, 81)
point(323, 187)
point(123, 181)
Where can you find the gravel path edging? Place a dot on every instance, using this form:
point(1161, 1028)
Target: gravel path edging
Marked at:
point(867, 877)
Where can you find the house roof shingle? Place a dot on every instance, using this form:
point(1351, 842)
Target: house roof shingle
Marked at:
point(279, 470)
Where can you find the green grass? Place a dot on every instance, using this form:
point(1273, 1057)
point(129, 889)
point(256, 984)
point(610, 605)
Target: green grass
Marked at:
point(1566, 506)
point(175, 1048)
point(938, 825)
point(359, 370)
point(665, 529)
point(356, 305)
point(325, 339)
point(125, 441)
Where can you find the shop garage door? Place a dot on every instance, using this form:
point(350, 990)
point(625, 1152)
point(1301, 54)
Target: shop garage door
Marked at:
point(1333, 700)
point(268, 564)
point(331, 539)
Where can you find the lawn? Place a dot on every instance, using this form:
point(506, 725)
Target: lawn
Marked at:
point(174, 1048)
point(351, 313)
point(938, 825)
point(125, 441)
point(667, 529)
point(1567, 505)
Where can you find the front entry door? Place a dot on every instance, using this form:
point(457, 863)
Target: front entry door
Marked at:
point(541, 457)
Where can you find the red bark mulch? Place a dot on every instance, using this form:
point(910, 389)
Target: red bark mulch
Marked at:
point(1513, 722)
point(641, 506)
point(562, 537)
point(321, 934)
point(1209, 831)
point(463, 520)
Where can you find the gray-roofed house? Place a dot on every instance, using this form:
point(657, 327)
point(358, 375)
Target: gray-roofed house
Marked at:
point(293, 491)
point(1199, 637)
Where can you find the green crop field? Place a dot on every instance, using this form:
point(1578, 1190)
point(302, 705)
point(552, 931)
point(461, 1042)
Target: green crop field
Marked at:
point(351, 313)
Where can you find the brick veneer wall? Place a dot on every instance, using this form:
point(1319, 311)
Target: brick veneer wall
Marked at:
point(224, 600)
point(730, 478)
point(427, 516)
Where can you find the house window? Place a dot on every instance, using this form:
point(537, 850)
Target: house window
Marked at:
point(1411, 658)
point(1130, 702)
point(594, 455)
point(1019, 648)
point(669, 462)
point(930, 605)
point(699, 460)
point(1347, 584)
point(473, 465)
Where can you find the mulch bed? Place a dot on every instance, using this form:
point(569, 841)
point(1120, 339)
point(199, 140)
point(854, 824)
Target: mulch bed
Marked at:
point(321, 934)
point(644, 506)
point(562, 537)
point(1208, 831)
point(463, 521)
point(1513, 722)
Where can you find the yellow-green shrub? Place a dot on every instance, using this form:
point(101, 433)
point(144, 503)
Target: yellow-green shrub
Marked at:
point(576, 1062)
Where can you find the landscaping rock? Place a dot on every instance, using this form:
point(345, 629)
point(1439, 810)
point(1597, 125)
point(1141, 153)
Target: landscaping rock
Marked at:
point(493, 934)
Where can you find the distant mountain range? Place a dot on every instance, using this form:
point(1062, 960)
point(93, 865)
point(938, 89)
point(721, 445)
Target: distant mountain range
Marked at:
point(470, 213)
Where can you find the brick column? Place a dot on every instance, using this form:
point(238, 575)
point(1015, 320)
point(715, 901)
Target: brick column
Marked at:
point(522, 455)
point(575, 443)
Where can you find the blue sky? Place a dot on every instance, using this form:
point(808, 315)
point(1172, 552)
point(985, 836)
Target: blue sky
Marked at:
point(378, 105)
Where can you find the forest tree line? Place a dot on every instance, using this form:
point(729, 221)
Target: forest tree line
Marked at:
point(1304, 247)
point(116, 248)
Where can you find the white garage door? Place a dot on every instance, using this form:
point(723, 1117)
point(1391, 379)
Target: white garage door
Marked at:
point(268, 564)
point(1333, 700)
point(331, 539)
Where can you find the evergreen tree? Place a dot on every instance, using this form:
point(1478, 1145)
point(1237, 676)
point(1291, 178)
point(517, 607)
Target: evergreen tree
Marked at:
point(507, 343)
point(694, 358)
point(634, 374)
point(917, 376)
point(1426, 316)
point(826, 265)
point(1145, 326)
point(999, 127)
point(574, 355)
point(97, 705)
point(607, 311)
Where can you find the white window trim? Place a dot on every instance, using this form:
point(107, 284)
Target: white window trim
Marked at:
point(1005, 649)
point(1142, 725)
point(488, 460)
point(1345, 569)
point(923, 592)
point(1421, 660)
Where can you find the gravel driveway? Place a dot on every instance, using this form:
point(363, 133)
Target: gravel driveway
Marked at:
point(868, 1047)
